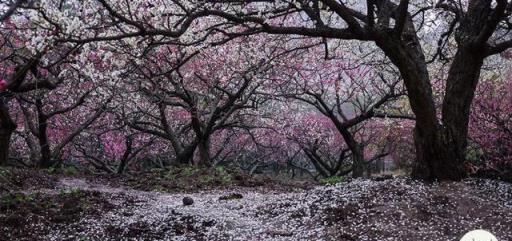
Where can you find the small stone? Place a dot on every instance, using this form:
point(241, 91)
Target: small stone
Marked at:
point(231, 196)
point(187, 201)
point(279, 233)
point(209, 223)
point(383, 178)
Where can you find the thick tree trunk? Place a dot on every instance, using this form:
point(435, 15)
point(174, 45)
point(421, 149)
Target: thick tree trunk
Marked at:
point(183, 158)
point(441, 154)
point(203, 149)
point(460, 92)
point(184, 155)
point(437, 157)
point(7, 127)
point(5, 140)
point(358, 167)
point(439, 145)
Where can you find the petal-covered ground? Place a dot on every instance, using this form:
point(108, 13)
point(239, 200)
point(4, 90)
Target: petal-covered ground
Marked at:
point(394, 209)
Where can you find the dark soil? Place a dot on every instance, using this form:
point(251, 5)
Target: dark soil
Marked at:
point(187, 179)
point(33, 204)
point(99, 208)
point(31, 216)
point(15, 179)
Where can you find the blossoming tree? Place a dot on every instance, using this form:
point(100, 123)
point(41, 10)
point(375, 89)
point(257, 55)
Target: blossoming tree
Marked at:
point(398, 28)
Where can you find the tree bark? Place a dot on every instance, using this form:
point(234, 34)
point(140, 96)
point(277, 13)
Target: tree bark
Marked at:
point(441, 146)
point(185, 155)
point(42, 136)
point(203, 149)
point(7, 127)
point(358, 163)
point(359, 167)
point(126, 155)
point(5, 140)
point(441, 154)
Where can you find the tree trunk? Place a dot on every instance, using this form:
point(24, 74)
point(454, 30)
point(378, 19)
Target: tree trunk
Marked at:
point(441, 146)
point(357, 167)
point(441, 154)
point(184, 155)
point(7, 127)
point(317, 163)
point(5, 140)
point(437, 157)
point(358, 163)
point(122, 166)
point(203, 149)
point(183, 158)
point(42, 136)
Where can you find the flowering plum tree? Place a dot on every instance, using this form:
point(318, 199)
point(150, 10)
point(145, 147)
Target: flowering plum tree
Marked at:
point(19, 82)
point(50, 119)
point(47, 85)
point(399, 28)
point(113, 149)
point(195, 69)
point(491, 124)
point(186, 98)
point(348, 94)
point(321, 143)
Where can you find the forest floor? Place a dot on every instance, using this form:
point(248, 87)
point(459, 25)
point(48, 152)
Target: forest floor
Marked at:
point(79, 207)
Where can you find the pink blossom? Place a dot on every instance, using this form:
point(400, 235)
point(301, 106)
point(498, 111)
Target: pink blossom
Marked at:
point(3, 84)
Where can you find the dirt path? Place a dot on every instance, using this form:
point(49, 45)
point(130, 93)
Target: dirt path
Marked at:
point(235, 218)
point(396, 209)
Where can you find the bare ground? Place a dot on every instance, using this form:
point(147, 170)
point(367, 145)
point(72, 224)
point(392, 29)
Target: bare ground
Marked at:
point(394, 209)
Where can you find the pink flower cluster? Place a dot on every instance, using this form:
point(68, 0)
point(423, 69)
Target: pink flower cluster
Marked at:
point(3, 84)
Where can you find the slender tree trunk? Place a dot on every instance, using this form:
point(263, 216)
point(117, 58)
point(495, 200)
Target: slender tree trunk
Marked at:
point(42, 136)
point(7, 127)
point(44, 144)
point(32, 145)
point(126, 155)
point(358, 162)
point(316, 163)
point(122, 166)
